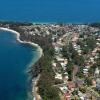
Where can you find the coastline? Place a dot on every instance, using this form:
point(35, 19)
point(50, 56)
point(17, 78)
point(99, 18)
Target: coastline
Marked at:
point(40, 51)
point(44, 72)
point(25, 42)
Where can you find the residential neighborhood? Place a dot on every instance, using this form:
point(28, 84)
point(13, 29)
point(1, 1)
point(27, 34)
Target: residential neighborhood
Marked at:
point(75, 61)
point(73, 89)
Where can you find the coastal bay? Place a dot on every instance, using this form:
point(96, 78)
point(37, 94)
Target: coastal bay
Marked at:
point(15, 58)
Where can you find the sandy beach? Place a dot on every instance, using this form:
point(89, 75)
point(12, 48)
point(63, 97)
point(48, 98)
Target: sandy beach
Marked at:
point(18, 39)
point(39, 49)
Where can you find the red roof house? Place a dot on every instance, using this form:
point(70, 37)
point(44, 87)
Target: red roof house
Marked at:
point(70, 85)
point(67, 96)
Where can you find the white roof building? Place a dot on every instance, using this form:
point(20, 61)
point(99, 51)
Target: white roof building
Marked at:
point(98, 81)
point(97, 71)
point(85, 71)
point(87, 66)
point(58, 76)
point(59, 59)
point(64, 89)
point(54, 64)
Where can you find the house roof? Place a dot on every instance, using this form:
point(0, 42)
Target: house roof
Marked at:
point(71, 85)
point(67, 95)
point(98, 86)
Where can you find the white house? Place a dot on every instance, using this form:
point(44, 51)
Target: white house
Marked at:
point(58, 76)
point(97, 72)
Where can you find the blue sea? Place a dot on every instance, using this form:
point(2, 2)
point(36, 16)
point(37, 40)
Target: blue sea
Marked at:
point(16, 57)
point(69, 11)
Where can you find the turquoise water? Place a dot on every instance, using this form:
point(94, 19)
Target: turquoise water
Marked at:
point(14, 60)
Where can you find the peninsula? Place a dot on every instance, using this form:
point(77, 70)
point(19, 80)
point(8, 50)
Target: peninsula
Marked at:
point(69, 64)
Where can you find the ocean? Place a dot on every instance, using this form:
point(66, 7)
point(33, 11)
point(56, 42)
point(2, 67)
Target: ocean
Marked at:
point(69, 11)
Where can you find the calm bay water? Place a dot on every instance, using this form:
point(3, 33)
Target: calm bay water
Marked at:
point(14, 60)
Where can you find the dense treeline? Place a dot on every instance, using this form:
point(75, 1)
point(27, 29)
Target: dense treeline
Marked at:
point(88, 44)
point(14, 24)
point(43, 66)
point(47, 80)
point(73, 59)
point(71, 54)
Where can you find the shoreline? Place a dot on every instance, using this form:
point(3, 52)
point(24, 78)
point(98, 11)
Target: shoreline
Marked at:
point(24, 42)
point(35, 80)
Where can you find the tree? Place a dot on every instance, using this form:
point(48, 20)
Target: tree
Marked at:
point(51, 51)
point(82, 89)
point(88, 81)
point(52, 94)
point(85, 50)
point(91, 71)
point(91, 43)
point(70, 67)
point(75, 92)
point(80, 72)
point(46, 89)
